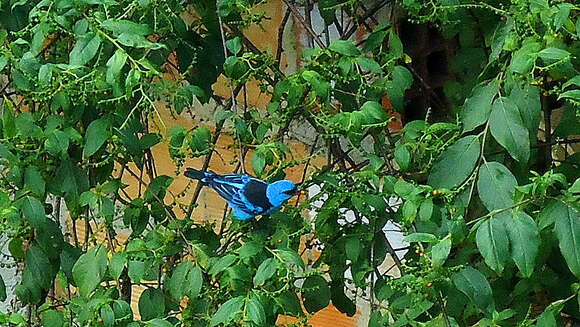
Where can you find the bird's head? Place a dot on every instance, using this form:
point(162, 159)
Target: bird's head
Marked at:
point(280, 191)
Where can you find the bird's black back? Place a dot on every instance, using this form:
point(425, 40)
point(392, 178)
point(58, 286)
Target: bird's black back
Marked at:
point(255, 192)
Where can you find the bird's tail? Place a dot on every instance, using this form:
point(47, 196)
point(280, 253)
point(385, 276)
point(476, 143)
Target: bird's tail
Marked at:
point(195, 174)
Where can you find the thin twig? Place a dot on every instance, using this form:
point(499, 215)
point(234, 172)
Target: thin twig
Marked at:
point(426, 86)
point(169, 212)
point(207, 159)
point(498, 211)
point(233, 96)
point(281, 36)
point(305, 171)
point(547, 131)
point(364, 17)
point(301, 20)
point(252, 47)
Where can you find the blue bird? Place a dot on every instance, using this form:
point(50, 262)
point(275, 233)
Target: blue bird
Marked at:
point(246, 195)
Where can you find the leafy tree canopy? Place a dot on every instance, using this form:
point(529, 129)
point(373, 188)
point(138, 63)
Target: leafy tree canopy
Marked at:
point(486, 181)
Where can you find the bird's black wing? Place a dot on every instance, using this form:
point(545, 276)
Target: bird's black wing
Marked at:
point(228, 185)
point(242, 192)
point(255, 193)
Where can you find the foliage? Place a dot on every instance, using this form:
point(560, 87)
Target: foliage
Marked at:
point(492, 216)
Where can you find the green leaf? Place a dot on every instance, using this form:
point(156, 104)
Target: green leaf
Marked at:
point(375, 39)
point(496, 186)
point(567, 229)
point(395, 45)
point(426, 209)
point(222, 263)
point(342, 302)
point(227, 311)
point(472, 283)
point(255, 311)
point(420, 237)
point(26, 126)
point(258, 163)
point(115, 65)
point(53, 318)
point(89, 270)
point(2, 290)
point(39, 267)
point(527, 99)
point(289, 304)
point(235, 45)
point(250, 249)
point(456, 163)
point(3, 62)
point(440, 251)
point(551, 55)
point(186, 96)
point(368, 64)
point(222, 115)
point(376, 319)
point(524, 58)
point(136, 270)
point(409, 211)
point(493, 242)
point(8, 123)
point(353, 248)
point(33, 210)
point(151, 304)
point(498, 39)
point(133, 78)
point(316, 293)
point(85, 49)
point(546, 319)
point(477, 108)
point(50, 238)
point(187, 279)
point(402, 79)
point(108, 315)
point(68, 256)
point(573, 81)
point(71, 181)
point(138, 41)
point(572, 94)
point(157, 323)
point(374, 112)
point(116, 264)
point(327, 9)
point(120, 26)
point(508, 129)
point(9, 156)
point(158, 187)
point(97, 134)
point(193, 282)
point(575, 188)
point(34, 180)
point(57, 143)
point(345, 47)
point(524, 240)
point(235, 68)
point(265, 271)
point(290, 257)
point(45, 74)
point(201, 139)
point(403, 157)
point(562, 15)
